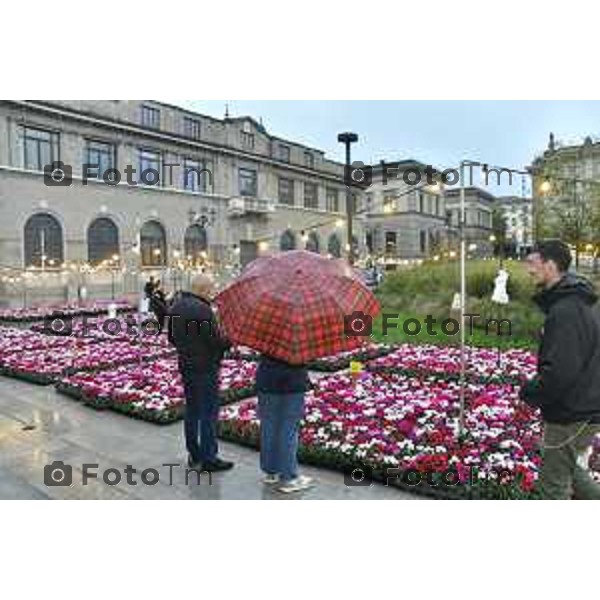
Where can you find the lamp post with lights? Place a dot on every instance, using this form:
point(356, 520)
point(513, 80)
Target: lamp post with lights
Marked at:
point(348, 138)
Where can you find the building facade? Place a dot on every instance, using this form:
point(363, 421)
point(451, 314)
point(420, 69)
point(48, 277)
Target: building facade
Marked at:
point(403, 220)
point(566, 192)
point(479, 209)
point(144, 186)
point(517, 212)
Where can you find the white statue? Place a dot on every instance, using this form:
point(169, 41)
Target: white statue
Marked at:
point(500, 295)
point(112, 311)
point(456, 303)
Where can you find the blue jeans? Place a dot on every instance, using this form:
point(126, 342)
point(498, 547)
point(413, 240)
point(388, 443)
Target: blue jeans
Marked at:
point(202, 404)
point(280, 416)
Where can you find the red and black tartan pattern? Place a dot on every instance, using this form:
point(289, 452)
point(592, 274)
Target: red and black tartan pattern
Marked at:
point(292, 306)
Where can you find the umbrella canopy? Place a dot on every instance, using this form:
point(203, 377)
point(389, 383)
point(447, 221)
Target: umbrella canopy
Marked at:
point(297, 306)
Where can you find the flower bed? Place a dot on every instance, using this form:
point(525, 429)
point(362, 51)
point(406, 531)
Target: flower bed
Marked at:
point(329, 363)
point(243, 353)
point(37, 313)
point(483, 365)
point(153, 391)
point(392, 420)
point(45, 365)
point(343, 359)
point(20, 340)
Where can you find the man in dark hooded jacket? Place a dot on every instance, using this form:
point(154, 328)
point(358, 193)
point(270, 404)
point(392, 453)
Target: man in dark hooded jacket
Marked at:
point(567, 386)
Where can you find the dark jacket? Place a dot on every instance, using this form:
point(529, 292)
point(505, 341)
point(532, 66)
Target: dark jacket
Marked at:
point(277, 377)
point(158, 305)
point(149, 289)
point(567, 386)
point(194, 332)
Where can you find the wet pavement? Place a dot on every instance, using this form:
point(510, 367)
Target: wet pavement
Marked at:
point(39, 426)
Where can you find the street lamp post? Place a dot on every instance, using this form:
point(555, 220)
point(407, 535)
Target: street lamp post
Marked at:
point(347, 138)
point(115, 260)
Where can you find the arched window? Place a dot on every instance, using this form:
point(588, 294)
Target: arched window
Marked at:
point(288, 241)
point(313, 243)
point(195, 241)
point(103, 240)
point(334, 247)
point(153, 242)
point(43, 237)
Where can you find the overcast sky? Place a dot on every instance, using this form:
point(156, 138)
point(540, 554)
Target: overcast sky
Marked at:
point(440, 133)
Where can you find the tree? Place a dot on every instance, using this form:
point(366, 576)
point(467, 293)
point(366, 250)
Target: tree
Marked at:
point(499, 227)
point(568, 205)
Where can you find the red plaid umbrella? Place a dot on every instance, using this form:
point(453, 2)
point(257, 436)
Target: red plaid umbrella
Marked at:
point(297, 306)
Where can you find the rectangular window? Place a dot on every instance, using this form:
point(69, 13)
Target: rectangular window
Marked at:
point(248, 182)
point(390, 242)
point(284, 153)
point(369, 241)
point(40, 148)
point(332, 200)
point(286, 191)
point(149, 159)
point(437, 206)
point(247, 140)
point(191, 128)
point(101, 154)
point(309, 160)
point(423, 241)
point(429, 204)
point(389, 203)
point(311, 199)
point(150, 117)
point(196, 175)
point(421, 202)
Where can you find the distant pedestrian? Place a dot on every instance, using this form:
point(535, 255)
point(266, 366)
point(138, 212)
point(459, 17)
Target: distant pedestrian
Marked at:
point(149, 288)
point(567, 386)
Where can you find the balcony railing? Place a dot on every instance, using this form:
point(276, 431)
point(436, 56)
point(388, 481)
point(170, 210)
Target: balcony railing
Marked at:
point(241, 206)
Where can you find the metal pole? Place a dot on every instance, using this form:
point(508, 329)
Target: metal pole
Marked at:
point(349, 209)
point(43, 248)
point(463, 300)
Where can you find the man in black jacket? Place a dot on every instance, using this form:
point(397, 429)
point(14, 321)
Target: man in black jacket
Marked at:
point(200, 346)
point(567, 386)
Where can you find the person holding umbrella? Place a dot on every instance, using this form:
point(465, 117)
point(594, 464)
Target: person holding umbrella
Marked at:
point(293, 308)
point(281, 388)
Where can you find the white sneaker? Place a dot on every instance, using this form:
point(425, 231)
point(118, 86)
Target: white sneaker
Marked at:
point(296, 485)
point(271, 479)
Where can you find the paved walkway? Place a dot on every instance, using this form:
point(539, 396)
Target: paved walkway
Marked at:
point(39, 426)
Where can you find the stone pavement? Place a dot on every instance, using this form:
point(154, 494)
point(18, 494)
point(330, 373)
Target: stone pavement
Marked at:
point(39, 426)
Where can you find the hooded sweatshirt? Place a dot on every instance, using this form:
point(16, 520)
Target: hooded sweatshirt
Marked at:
point(567, 386)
